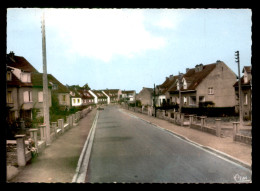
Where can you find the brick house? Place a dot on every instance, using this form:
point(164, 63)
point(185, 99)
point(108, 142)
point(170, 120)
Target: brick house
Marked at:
point(212, 83)
point(145, 96)
point(246, 89)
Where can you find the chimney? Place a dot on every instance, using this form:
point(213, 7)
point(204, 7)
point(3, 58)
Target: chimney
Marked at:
point(198, 68)
point(11, 54)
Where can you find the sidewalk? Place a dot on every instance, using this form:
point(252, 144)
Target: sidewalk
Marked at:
point(238, 152)
point(58, 162)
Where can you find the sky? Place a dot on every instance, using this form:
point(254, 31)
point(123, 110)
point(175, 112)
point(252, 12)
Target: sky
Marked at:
point(128, 49)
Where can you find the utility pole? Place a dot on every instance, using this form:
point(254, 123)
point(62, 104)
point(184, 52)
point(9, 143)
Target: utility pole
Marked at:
point(154, 105)
point(180, 83)
point(45, 85)
point(239, 90)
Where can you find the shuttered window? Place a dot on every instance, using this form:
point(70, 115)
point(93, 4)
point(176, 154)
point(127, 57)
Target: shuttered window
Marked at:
point(27, 96)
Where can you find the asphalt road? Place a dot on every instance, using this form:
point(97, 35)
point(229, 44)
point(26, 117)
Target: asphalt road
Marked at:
point(127, 149)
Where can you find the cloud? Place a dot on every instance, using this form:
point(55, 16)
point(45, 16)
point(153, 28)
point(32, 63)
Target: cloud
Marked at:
point(103, 33)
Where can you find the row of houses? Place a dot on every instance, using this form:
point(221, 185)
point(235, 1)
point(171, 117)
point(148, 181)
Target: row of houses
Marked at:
point(214, 85)
point(24, 91)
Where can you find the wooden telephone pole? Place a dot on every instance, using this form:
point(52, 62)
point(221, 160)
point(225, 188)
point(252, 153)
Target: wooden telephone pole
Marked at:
point(239, 90)
point(180, 86)
point(45, 85)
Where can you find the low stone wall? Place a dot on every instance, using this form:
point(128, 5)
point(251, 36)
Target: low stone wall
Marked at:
point(243, 139)
point(18, 153)
point(200, 123)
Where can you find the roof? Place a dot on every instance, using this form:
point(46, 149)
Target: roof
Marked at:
point(16, 81)
point(111, 92)
point(37, 80)
point(71, 89)
point(243, 82)
point(195, 78)
point(61, 87)
point(149, 89)
point(247, 69)
point(128, 91)
point(20, 63)
point(167, 84)
point(99, 93)
point(85, 94)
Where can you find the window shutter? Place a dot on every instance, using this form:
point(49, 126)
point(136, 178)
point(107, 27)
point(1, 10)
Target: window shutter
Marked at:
point(40, 96)
point(26, 96)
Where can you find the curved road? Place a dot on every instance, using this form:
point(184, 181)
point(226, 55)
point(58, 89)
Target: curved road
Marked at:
point(127, 149)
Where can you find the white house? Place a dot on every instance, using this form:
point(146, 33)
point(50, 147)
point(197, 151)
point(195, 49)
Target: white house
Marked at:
point(94, 95)
point(75, 99)
point(108, 98)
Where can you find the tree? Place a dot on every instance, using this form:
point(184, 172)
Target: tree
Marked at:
point(86, 87)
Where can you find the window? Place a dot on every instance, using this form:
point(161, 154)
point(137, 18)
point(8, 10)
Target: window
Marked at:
point(26, 77)
point(178, 85)
point(78, 100)
point(9, 76)
point(9, 97)
point(210, 91)
point(185, 100)
point(63, 97)
point(27, 96)
point(192, 100)
point(40, 96)
point(245, 78)
point(201, 99)
point(184, 84)
point(54, 86)
point(245, 99)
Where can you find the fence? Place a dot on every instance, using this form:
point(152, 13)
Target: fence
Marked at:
point(21, 149)
point(213, 126)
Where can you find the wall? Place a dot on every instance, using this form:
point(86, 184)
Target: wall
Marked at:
point(15, 107)
point(76, 101)
point(67, 101)
point(39, 105)
point(222, 80)
point(145, 97)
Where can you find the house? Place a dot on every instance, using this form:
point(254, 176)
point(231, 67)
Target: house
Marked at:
point(161, 91)
point(94, 96)
point(18, 95)
point(108, 97)
point(128, 96)
point(60, 91)
point(37, 93)
point(246, 93)
point(145, 96)
point(87, 98)
point(114, 94)
point(57, 89)
point(211, 83)
point(75, 97)
point(22, 97)
point(99, 96)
